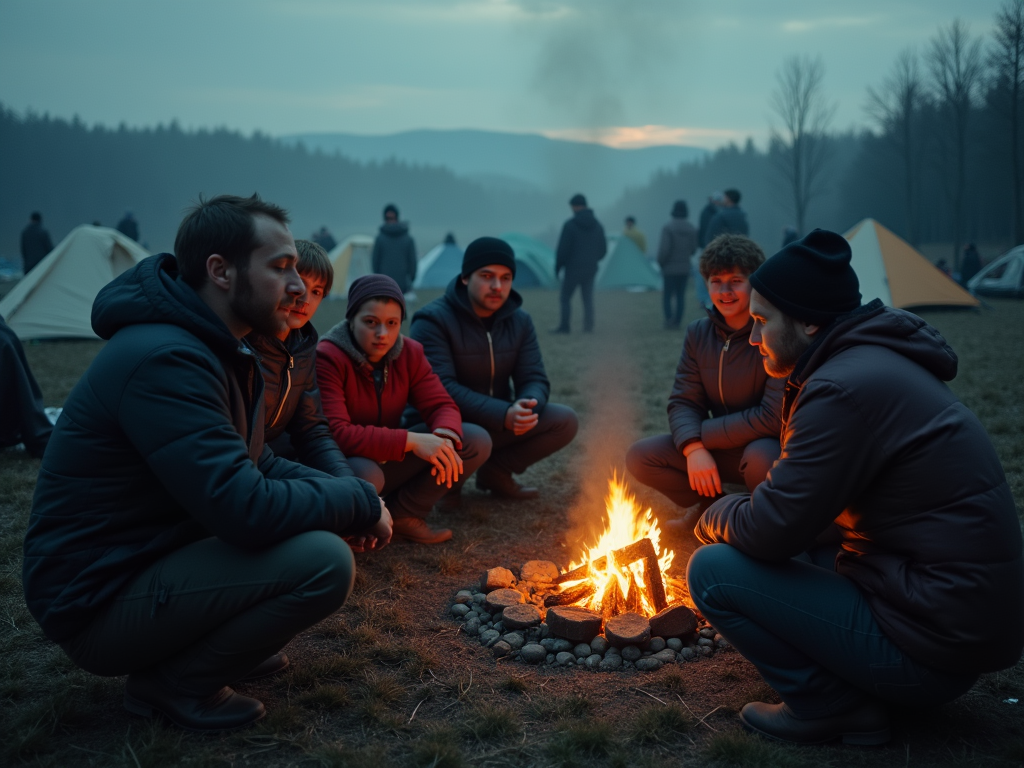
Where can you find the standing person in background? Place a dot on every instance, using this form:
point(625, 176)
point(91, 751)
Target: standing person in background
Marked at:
point(706, 215)
point(35, 242)
point(678, 243)
point(394, 252)
point(325, 239)
point(128, 226)
point(581, 246)
point(730, 219)
point(633, 233)
point(971, 264)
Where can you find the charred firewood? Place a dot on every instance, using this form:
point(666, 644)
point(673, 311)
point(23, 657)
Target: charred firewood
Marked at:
point(633, 602)
point(570, 596)
point(611, 601)
point(638, 550)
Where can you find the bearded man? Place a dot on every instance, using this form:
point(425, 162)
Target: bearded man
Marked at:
point(922, 588)
point(166, 542)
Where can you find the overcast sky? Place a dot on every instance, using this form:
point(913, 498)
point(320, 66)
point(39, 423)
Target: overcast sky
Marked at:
point(626, 71)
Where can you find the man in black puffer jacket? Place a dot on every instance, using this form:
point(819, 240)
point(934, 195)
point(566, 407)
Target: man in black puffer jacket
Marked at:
point(581, 246)
point(484, 348)
point(166, 542)
point(394, 252)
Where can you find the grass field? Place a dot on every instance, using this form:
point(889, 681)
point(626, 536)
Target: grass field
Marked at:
point(388, 681)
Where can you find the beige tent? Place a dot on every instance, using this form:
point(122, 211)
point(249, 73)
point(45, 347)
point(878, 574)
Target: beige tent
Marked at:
point(351, 259)
point(54, 300)
point(890, 269)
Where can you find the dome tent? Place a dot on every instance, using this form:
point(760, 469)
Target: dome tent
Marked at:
point(626, 268)
point(1003, 277)
point(535, 262)
point(439, 265)
point(350, 259)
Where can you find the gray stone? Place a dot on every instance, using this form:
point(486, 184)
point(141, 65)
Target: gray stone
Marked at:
point(521, 616)
point(459, 610)
point(723, 643)
point(627, 629)
point(666, 656)
point(688, 654)
point(514, 639)
point(559, 644)
point(501, 648)
point(479, 598)
point(582, 651)
point(705, 642)
point(489, 637)
point(500, 599)
point(674, 621)
point(499, 626)
point(649, 664)
point(577, 625)
point(656, 644)
point(612, 651)
point(544, 630)
point(540, 571)
point(472, 626)
point(550, 659)
point(533, 653)
point(631, 653)
point(497, 578)
point(593, 661)
point(610, 662)
point(463, 596)
point(708, 632)
point(706, 650)
point(599, 644)
point(675, 644)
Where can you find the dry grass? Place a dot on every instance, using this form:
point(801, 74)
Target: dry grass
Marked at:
point(389, 682)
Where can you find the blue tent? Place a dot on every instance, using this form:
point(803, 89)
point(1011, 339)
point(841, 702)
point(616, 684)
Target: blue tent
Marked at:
point(535, 262)
point(439, 265)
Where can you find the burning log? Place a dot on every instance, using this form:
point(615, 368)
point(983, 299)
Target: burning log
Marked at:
point(638, 550)
point(570, 596)
point(611, 601)
point(633, 602)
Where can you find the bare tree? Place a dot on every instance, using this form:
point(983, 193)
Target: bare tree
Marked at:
point(895, 106)
point(1007, 61)
point(956, 67)
point(801, 144)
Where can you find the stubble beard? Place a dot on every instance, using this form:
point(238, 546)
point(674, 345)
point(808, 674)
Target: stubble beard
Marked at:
point(262, 319)
point(789, 349)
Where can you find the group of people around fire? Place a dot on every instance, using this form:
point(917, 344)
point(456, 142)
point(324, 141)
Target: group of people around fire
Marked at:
point(219, 462)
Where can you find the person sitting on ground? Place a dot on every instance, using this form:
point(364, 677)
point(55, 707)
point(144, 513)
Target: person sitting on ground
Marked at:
point(925, 589)
point(368, 372)
point(720, 373)
point(23, 419)
point(483, 346)
point(166, 541)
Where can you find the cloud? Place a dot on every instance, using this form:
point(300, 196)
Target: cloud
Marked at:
point(833, 22)
point(634, 137)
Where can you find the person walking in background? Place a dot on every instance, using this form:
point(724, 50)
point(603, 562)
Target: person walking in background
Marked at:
point(633, 233)
point(394, 252)
point(971, 264)
point(35, 242)
point(128, 226)
point(325, 239)
point(730, 218)
point(581, 246)
point(677, 245)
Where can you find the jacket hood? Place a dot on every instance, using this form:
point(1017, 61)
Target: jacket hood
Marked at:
point(153, 292)
point(341, 337)
point(585, 219)
point(299, 340)
point(725, 330)
point(394, 228)
point(457, 294)
point(876, 324)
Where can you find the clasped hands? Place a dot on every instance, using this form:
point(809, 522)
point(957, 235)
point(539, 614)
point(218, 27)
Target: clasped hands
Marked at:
point(376, 537)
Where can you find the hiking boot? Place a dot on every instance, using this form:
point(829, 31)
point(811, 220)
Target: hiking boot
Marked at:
point(867, 725)
point(270, 666)
point(223, 710)
point(502, 484)
point(414, 529)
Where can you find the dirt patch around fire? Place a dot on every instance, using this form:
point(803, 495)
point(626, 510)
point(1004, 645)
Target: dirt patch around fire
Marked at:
point(388, 681)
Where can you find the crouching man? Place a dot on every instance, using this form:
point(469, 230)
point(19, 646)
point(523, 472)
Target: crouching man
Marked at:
point(165, 541)
point(876, 449)
point(483, 346)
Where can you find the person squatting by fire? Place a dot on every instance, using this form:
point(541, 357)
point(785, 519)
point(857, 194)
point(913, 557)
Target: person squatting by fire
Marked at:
point(171, 543)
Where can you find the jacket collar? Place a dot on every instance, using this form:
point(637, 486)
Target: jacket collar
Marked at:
point(341, 337)
point(457, 295)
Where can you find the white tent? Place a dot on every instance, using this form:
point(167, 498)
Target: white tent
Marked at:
point(351, 259)
point(54, 300)
point(1003, 277)
point(889, 269)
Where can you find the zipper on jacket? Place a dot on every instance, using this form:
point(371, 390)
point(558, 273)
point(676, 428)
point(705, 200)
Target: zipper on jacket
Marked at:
point(380, 395)
point(721, 362)
point(287, 390)
point(490, 346)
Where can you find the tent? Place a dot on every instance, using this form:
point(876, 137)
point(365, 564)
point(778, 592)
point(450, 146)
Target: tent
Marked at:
point(626, 267)
point(351, 259)
point(54, 300)
point(1003, 277)
point(535, 262)
point(891, 270)
point(440, 264)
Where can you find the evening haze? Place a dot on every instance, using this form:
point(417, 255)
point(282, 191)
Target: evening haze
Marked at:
point(626, 74)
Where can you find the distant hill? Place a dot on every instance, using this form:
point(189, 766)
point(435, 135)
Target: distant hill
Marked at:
point(513, 161)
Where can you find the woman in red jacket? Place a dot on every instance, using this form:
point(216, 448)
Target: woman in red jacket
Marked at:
point(368, 372)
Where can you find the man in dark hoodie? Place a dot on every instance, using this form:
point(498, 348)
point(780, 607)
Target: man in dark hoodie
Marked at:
point(730, 219)
point(394, 252)
point(35, 242)
point(166, 542)
point(925, 589)
point(484, 348)
point(581, 246)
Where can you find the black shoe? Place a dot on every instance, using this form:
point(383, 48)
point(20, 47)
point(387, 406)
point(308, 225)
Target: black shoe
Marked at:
point(560, 329)
point(224, 710)
point(501, 484)
point(868, 725)
point(451, 500)
point(270, 666)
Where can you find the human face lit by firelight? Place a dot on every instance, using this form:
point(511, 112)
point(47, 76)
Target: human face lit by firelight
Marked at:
point(730, 293)
point(307, 304)
point(780, 339)
point(376, 327)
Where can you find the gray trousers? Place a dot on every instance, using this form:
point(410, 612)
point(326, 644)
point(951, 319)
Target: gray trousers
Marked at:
point(658, 464)
point(556, 428)
point(408, 488)
point(810, 633)
point(204, 616)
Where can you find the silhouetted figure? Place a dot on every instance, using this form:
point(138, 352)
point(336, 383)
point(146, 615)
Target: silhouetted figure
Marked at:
point(35, 242)
point(22, 416)
point(678, 243)
point(971, 264)
point(325, 239)
point(789, 235)
point(706, 215)
point(449, 239)
point(581, 246)
point(633, 233)
point(730, 219)
point(128, 226)
point(943, 266)
point(394, 252)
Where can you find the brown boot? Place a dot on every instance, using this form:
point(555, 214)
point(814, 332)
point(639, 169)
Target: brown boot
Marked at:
point(414, 529)
point(867, 725)
point(502, 484)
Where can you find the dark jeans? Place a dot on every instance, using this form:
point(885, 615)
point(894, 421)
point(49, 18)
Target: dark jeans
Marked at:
point(675, 289)
point(205, 615)
point(555, 429)
point(810, 633)
point(658, 464)
point(408, 488)
point(22, 417)
point(585, 282)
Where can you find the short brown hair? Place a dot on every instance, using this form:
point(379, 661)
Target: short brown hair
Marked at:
point(729, 252)
point(313, 260)
point(223, 225)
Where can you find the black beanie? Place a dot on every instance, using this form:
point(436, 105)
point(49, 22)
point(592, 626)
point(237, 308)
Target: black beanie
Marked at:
point(487, 250)
point(810, 279)
point(372, 287)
